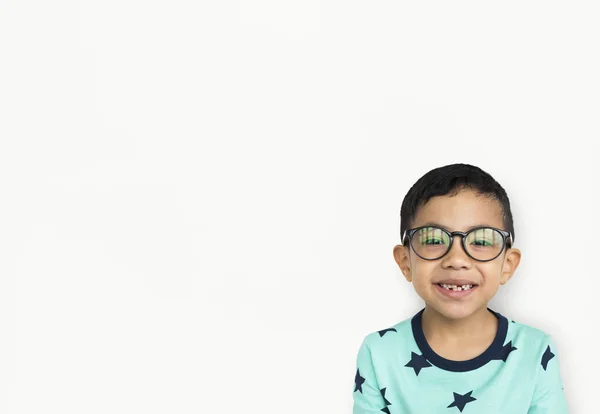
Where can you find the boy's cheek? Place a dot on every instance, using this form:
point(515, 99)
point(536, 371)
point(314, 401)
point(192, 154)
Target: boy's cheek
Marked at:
point(423, 288)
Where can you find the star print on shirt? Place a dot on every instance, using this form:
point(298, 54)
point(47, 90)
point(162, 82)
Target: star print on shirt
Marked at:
point(461, 400)
point(358, 382)
point(385, 409)
point(548, 355)
point(417, 362)
point(505, 351)
point(383, 332)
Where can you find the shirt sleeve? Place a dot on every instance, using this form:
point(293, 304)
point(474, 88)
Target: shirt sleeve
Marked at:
point(548, 395)
point(368, 398)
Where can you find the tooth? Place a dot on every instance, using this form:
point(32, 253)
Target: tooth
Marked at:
point(456, 287)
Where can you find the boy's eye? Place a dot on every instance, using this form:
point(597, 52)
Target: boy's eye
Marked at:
point(432, 241)
point(432, 236)
point(482, 243)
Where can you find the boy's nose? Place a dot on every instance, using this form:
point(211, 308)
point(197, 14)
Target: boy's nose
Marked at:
point(457, 256)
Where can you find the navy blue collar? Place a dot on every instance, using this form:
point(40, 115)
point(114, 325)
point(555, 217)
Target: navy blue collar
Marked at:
point(459, 366)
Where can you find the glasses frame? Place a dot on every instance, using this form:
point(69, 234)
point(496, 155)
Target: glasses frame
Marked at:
point(507, 240)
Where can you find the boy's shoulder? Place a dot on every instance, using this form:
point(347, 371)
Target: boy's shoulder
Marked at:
point(523, 333)
point(390, 335)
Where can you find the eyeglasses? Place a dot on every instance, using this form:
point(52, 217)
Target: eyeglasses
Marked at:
point(481, 243)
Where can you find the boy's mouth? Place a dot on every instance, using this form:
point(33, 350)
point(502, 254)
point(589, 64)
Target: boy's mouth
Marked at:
point(456, 291)
point(456, 288)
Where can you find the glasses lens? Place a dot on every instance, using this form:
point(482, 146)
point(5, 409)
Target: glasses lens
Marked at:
point(433, 242)
point(430, 242)
point(484, 243)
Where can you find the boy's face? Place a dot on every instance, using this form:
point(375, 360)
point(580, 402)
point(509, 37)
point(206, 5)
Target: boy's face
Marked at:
point(457, 213)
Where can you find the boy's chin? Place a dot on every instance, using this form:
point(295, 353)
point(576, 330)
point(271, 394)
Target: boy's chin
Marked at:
point(454, 311)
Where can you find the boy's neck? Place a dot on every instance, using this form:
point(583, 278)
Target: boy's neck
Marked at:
point(482, 325)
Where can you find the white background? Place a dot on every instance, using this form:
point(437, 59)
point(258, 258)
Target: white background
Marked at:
point(199, 200)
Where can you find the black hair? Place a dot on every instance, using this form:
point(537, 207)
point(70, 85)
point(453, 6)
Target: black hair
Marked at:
point(450, 180)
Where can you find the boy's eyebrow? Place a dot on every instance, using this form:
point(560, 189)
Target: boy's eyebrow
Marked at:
point(431, 223)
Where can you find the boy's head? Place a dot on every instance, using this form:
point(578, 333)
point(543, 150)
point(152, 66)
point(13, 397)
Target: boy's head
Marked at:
point(456, 197)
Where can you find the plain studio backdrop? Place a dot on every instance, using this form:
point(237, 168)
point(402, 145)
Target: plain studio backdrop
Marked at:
point(200, 199)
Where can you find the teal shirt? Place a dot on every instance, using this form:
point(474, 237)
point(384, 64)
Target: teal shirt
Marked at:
point(397, 372)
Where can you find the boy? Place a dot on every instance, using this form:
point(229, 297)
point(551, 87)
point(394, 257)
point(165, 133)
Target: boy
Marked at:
point(457, 355)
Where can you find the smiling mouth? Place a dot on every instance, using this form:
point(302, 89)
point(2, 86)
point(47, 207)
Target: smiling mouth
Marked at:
point(456, 288)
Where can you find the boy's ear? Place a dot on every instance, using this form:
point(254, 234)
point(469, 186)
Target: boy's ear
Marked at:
point(402, 258)
point(511, 262)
